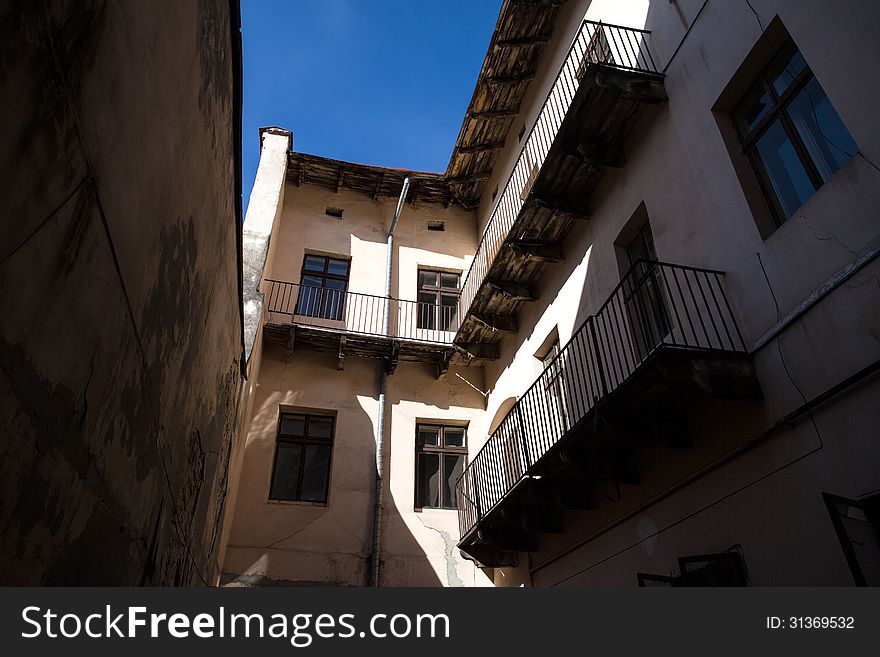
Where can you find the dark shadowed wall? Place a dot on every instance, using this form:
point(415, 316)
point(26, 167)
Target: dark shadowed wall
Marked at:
point(120, 317)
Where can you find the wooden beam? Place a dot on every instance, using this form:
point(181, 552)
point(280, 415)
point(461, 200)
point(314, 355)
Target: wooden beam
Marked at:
point(600, 154)
point(641, 87)
point(480, 350)
point(501, 323)
point(508, 539)
point(471, 177)
point(495, 114)
point(510, 79)
point(522, 41)
point(443, 362)
point(290, 341)
point(379, 185)
point(540, 251)
point(513, 290)
point(560, 210)
point(340, 364)
point(481, 148)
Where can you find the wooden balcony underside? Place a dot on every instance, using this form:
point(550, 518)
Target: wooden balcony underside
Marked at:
point(589, 141)
point(342, 344)
point(649, 412)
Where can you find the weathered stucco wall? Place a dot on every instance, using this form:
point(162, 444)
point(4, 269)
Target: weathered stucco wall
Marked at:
point(121, 338)
point(274, 541)
point(679, 167)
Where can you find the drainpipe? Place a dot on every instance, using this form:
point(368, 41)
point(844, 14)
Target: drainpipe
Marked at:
point(375, 554)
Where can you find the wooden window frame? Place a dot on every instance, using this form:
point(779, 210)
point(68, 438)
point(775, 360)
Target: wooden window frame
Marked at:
point(316, 304)
point(303, 440)
point(441, 449)
point(778, 110)
point(438, 291)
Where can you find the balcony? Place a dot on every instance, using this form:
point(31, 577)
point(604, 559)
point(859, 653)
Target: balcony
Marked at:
point(606, 78)
point(354, 324)
point(627, 379)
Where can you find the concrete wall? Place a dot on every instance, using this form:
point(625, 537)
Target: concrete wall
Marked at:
point(297, 542)
point(680, 167)
point(120, 347)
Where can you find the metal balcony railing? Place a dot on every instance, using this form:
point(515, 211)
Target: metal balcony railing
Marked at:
point(353, 312)
point(595, 43)
point(655, 306)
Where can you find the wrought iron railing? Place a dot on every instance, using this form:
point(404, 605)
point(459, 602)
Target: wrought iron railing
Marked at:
point(354, 312)
point(595, 43)
point(655, 306)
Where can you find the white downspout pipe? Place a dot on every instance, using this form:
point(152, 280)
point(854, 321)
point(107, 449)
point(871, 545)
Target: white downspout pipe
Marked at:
point(376, 553)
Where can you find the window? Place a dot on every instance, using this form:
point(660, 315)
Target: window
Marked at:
point(441, 454)
point(552, 378)
point(792, 135)
point(722, 569)
point(644, 293)
point(322, 287)
point(857, 523)
point(438, 300)
point(302, 457)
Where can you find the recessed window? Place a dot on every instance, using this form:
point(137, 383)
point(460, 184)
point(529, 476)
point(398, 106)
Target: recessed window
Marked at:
point(722, 569)
point(437, 305)
point(436, 224)
point(301, 470)
point(792, 135)
point(323, 283)
point(857, 523)
point(336, 213)
point(644, 291)
point(441, 456)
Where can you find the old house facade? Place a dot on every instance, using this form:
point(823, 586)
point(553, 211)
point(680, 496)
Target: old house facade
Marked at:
point(629, 337)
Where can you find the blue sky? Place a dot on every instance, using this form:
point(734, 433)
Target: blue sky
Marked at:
point(382, 82)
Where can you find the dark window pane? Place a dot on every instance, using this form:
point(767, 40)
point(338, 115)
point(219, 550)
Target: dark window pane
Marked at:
point(292, 425)
point(449, 281)
point(786, 70)
point(453, 465)
point(448, 308)
point(314, 263)
point(427, 278)
point(429, 435)
point(315, 473)
point(334, 284)
point(785, 171)
point(320, 427)
point(337, 267)
point(428, 480)
point(286, 473)
point(819, 126)
point(312, 281)
point(308, 302)
point(454, 436)
point(753, 108)
point(426, 308)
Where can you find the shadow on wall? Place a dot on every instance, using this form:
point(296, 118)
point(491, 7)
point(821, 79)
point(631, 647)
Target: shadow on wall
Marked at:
point(275, 543)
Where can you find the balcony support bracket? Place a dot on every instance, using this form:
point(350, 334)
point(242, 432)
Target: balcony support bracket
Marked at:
point(340, 364)
point(514, 291)
point(540, 251)
point(393, 358)
point(481, 350)
point(501, 323)
point(290, 342)
point(643, 88)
